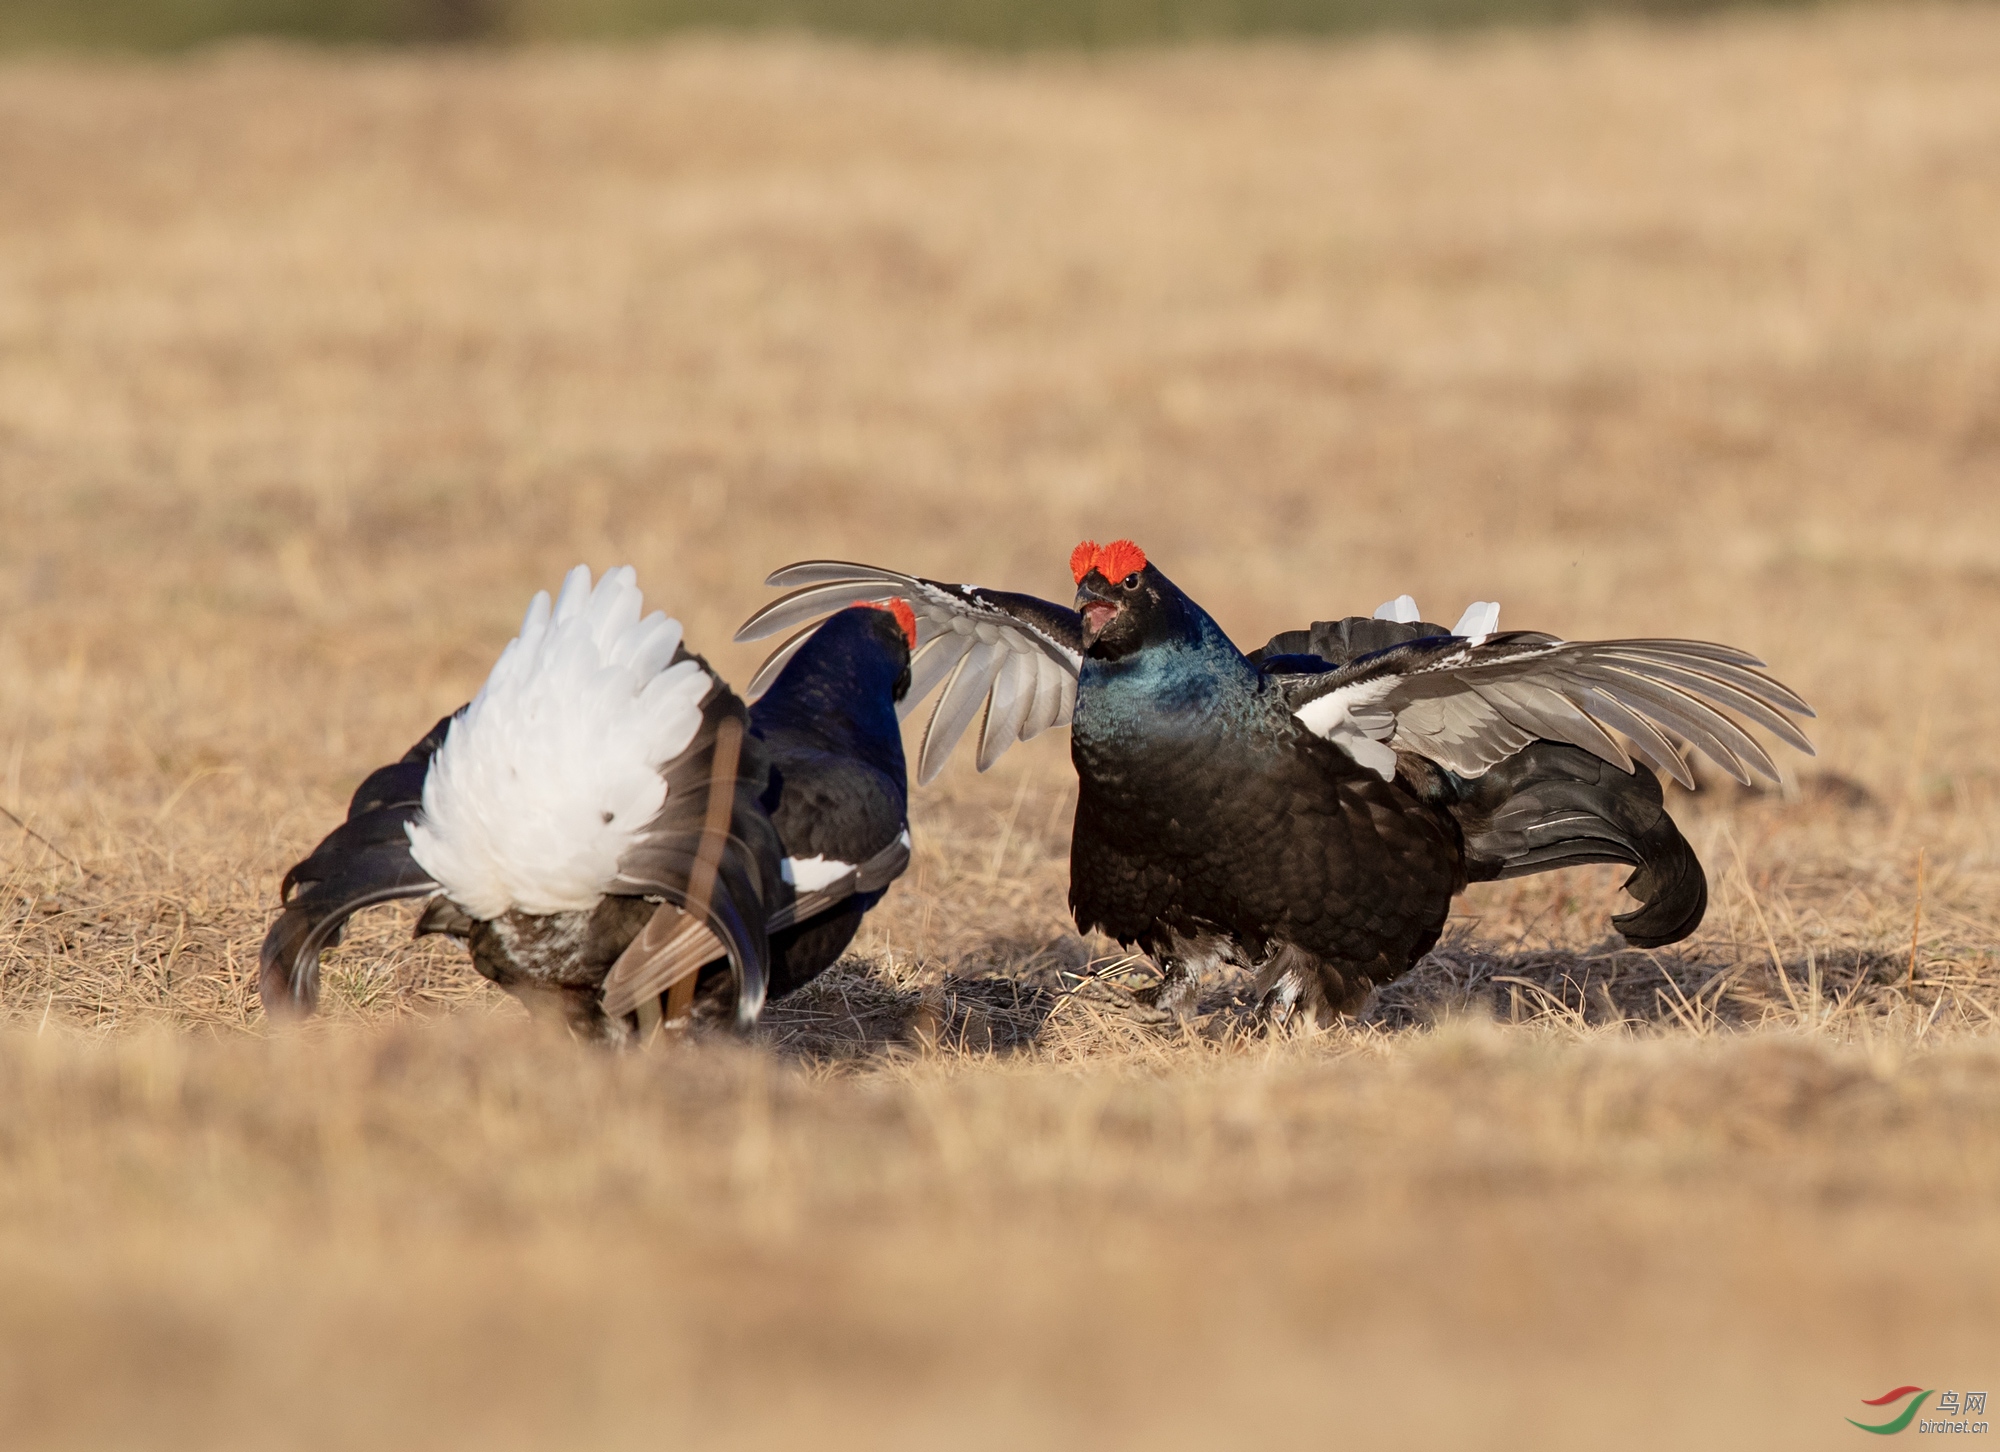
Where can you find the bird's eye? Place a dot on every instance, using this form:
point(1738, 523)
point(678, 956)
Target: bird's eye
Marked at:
point(1131, 581)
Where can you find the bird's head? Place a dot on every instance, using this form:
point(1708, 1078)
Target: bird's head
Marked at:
point(892, 627)
point(1125, 602)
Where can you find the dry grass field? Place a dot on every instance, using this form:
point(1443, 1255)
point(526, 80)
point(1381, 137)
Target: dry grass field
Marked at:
point(313, 368)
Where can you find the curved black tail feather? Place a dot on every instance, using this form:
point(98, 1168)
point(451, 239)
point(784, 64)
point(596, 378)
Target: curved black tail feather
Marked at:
point(1555, 806)
point(364, 861)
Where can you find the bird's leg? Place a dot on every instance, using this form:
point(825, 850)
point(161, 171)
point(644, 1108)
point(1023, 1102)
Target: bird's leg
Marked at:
point(1176, 992)
point(1182, 962)
point(1292, 980)
point(1281, 997)
point(1344, 990)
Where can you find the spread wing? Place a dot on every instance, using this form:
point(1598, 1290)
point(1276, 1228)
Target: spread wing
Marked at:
point(1469, 703)
point(1009, 660)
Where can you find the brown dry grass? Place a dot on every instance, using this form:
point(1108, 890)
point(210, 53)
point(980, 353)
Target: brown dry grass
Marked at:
point(312, 368)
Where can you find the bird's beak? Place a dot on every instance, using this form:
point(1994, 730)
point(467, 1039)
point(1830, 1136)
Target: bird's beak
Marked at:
point(1097, 613)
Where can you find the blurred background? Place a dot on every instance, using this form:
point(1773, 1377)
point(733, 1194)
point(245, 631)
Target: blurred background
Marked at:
point(165, 24)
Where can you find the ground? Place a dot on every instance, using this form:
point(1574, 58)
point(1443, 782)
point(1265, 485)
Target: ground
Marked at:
point(313, 366)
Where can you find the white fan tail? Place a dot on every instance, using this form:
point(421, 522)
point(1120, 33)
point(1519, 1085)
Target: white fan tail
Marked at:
point(555, 768)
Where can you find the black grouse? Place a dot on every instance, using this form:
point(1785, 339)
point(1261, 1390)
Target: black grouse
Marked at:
point(614, 835)
point(1310, 809)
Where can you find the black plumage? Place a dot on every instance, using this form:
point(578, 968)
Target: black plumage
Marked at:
point(839, 787)
point(557, 961)
point(1211, 823)
point(1548, 806)
point(1554, 806)
point(817, 772)
point(1310, 810)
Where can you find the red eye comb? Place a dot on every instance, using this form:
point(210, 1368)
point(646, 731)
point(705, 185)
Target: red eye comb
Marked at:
point(905, 616)
point(1114, 561)
point(1120, 558)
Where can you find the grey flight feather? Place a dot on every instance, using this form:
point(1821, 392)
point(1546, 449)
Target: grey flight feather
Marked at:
point(1468, 706)
point(1008, 661)
point(958, 705)
point(933, 662)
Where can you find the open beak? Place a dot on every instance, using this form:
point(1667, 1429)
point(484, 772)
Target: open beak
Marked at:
point(1097, 614)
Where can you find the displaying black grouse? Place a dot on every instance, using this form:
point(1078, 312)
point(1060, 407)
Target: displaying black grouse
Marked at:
point(1310, 810)
point(607, 823)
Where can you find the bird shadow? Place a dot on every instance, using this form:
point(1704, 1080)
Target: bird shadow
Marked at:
point(1001, 1000)
point(995, 1001)
point(1698, 987)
